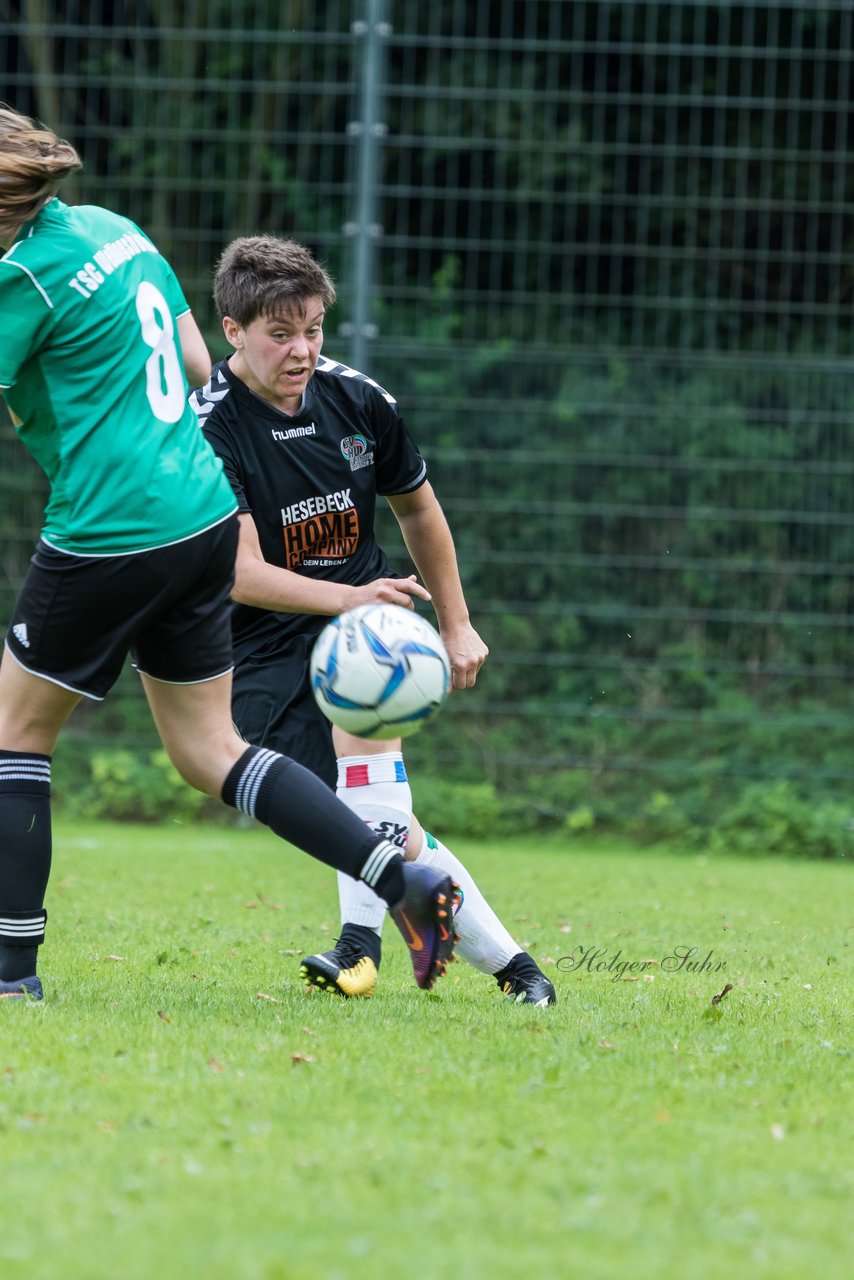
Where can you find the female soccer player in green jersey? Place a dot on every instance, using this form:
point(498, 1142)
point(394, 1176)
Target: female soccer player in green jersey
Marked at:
point(136, 553)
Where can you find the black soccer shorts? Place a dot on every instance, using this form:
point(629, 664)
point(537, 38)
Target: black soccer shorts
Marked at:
point(78, 617)
point(273, 706)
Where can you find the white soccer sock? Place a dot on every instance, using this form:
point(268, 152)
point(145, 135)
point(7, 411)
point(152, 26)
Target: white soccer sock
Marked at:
point(484, 942)
point(377, 789)
point(359, 904)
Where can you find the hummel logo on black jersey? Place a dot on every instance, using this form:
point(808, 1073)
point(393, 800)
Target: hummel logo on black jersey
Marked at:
point(294, 433)
point(19, 631)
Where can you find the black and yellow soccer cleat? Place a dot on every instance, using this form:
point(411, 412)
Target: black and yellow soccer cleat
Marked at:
point(340, 972)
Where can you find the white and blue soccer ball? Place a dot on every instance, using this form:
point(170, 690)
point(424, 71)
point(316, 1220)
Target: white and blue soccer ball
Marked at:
point(379, 671)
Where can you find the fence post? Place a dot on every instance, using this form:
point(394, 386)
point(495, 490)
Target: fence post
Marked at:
point(368, 131)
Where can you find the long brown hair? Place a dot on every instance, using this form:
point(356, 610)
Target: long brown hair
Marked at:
point(33, 163)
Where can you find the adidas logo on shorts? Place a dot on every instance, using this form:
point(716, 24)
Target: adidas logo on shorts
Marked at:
point(19, 631)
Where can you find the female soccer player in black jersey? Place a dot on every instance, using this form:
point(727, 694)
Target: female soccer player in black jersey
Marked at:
point(308, 446)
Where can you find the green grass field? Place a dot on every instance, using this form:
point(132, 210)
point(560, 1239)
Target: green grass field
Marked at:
point(180, 1107)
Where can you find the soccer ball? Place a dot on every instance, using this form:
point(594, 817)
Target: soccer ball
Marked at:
point(379, 671)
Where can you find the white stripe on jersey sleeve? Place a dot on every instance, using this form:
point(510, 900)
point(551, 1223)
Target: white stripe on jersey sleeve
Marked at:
point(7, 257)
point(205, 399)
point(344, 371)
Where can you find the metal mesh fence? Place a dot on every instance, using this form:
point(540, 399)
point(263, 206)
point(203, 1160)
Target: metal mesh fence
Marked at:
point(602, 253)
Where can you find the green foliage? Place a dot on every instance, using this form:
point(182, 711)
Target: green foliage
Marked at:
point(663, 615)
point(774, 819)
point(472, 808)
point(135, 786)
point(604, 334)
point(689, 780)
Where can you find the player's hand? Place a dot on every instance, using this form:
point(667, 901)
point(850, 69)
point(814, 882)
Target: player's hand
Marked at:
point(467, 653)
point(389, 591)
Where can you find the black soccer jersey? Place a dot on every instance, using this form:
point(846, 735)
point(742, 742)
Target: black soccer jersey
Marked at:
point(310, 481)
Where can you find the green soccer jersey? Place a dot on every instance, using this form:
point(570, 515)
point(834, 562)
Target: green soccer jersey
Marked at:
point(91, 363)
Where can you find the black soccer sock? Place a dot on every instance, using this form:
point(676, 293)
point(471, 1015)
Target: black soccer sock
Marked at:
point(301, 809)
point(520, 963)
point(25, 854)
point(358, 939)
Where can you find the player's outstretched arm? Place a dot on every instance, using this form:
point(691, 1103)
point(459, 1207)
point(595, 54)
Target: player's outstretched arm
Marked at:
point(430, 543)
